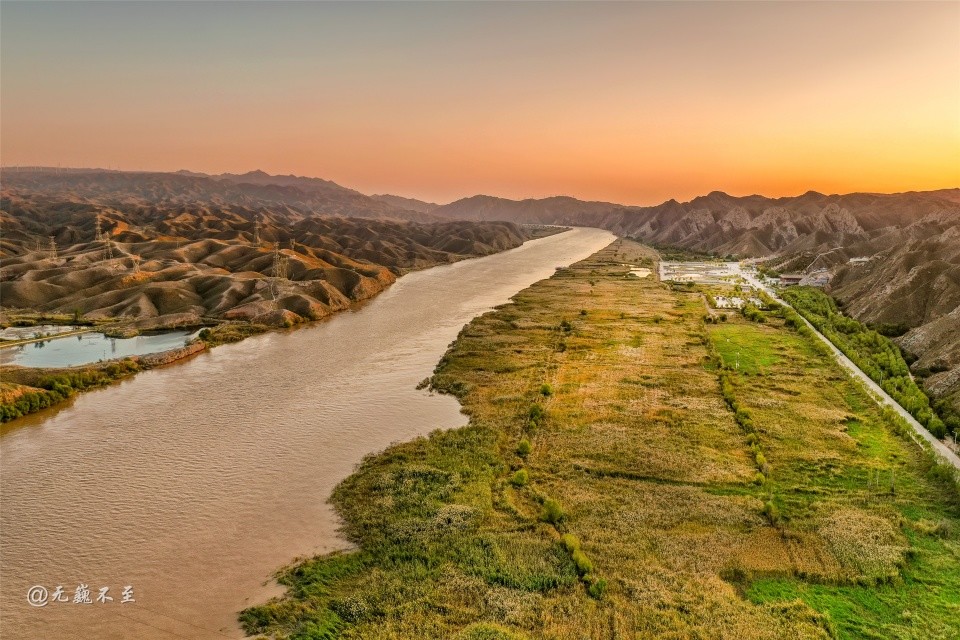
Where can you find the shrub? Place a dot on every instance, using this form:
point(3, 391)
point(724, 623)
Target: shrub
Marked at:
point(937, 428)
point(552, 512)
point(524, 448)
point(546, 390)
point(771, 512)
point(759, 479)
point(583, 312)
point(570, 542)
point(565, 325)
point(520, 478)
point(536, 414)
point(597, 588)
point(580, 560)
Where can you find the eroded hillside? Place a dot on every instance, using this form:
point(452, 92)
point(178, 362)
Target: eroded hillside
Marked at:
point(152, 247)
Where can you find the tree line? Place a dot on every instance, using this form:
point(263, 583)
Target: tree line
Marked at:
point(876, 355)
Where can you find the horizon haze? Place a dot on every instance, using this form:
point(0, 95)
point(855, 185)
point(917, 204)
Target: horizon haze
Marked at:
point(635, 104)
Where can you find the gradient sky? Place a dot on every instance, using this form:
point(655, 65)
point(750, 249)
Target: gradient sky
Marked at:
point(627, 102)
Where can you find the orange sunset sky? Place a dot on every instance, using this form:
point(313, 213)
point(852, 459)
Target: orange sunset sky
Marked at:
point(627, 102)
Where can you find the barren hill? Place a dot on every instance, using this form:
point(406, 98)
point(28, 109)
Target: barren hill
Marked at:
point(410, 204)
point(172, 249)
point(543, 211)
point(253, 189)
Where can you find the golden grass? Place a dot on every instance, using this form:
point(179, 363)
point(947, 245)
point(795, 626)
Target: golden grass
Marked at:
point(650, 471)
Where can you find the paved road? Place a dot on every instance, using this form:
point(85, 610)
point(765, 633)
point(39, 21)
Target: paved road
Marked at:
point(65, 334)
point(941, 449)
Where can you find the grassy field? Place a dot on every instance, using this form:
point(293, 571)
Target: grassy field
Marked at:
point(623, 477)
point(876, 355)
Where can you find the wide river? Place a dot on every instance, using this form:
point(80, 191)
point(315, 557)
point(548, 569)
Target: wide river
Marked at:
point(193, 483)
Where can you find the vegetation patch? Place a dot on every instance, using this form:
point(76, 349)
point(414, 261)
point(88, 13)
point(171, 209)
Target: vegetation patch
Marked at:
point(644, 512)
point(875, 355)
point(26, 391)
point(230, 332)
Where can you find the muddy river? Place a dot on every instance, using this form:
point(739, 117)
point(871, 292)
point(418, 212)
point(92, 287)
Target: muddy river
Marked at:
point(191, 484)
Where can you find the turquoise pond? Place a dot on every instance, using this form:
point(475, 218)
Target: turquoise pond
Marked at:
point(87, 348)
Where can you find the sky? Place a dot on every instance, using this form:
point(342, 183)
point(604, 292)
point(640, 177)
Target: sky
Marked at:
point(633, 103)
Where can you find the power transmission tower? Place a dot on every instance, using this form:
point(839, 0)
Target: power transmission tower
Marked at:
point(256, 231)
point(53, 248)
point(279, 263)
point(100, 236)
point(136, 264)
point(279, 270)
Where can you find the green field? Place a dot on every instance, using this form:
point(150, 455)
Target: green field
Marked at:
point(621, 477)
point(748, 352)
point(877, 356)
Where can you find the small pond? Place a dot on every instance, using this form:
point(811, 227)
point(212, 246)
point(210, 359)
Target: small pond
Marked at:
point(87, 348)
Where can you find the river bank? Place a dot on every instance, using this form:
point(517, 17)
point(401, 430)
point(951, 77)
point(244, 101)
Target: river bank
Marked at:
point(630, 470)
point(194, 482)
point(26, 390)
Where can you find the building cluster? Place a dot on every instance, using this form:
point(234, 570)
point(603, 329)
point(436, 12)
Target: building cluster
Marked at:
point(818, 278)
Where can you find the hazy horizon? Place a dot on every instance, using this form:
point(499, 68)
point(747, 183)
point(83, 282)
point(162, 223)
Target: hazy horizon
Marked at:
point(469, 195)
point(634, 103)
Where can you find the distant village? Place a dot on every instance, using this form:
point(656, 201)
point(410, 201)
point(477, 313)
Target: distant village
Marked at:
point(740, 275)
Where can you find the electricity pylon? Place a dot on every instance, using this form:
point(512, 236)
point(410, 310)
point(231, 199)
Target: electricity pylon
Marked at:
point(100, 236)
point(279, 263)
point(279, 270)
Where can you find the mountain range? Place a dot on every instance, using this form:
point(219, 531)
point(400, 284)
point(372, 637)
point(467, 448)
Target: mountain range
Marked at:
point(892, 260)
point(178, 249)
point(909, 283)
